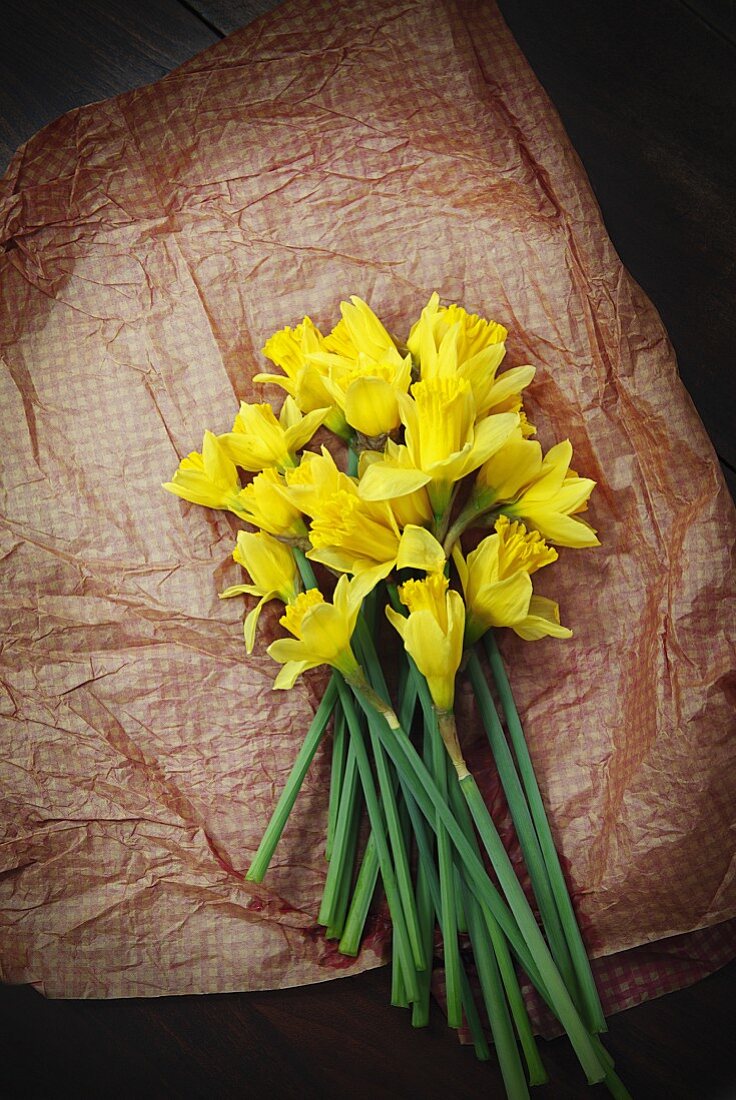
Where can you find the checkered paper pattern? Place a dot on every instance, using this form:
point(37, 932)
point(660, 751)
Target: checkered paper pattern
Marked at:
point(151, 245)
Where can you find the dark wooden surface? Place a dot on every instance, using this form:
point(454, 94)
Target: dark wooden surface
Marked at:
point(648, 95)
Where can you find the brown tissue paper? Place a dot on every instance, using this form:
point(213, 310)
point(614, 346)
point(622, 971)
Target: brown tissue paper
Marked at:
point(151, 245)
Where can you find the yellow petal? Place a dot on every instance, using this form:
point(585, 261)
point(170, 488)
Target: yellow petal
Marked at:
point(288, 675)
point(239, 590)
point(543, 621)
point(367, 333)
point(506, 602)
point(418, 549)
point(505, 385)
point(270, 563)
point(383, 482)
point(562, 530)
point(371, 406)
point(515, 465)
point(251, 623)
point(301, 431)
point(489, 436)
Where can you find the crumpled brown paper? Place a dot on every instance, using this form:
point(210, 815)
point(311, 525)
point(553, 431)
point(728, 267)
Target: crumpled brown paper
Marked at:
point(151, 245)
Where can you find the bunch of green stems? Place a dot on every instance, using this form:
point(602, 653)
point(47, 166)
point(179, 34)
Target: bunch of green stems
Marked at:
point(429, 833)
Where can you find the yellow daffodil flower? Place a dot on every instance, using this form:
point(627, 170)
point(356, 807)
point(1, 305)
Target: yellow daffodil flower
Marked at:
point(449, 341)
point(543, 492)
point(442, 441)
point(360, 333)
point(303, 379)
point(273, 572)
point(356, 536)
point(315, 479)
point(322, 632)
point(496, 581)
point(364, 370)
point(475, 334)
point(366, 393)
point(258, 440)
point(413, 507)
point(433, 633)
point(264, 503)
point(209, 478)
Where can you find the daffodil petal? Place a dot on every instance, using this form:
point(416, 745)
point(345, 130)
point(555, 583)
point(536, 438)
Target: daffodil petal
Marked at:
point(281, 380)
point(543, 621)
point(383, 482)
point(460, 565)
point(490, 436)
point(371, 406)
point(251, 623)
point(562, 530)
point(289, 674)
point(290, 414)
point(515, 465)
point(418, 549)
point(299, 433)
point(511, 382)
point(508, 600)
point(240, 590)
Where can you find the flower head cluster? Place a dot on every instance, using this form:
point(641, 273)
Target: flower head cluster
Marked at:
point(439, 445)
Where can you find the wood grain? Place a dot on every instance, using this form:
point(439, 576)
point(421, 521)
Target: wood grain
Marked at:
point(229, 15)
point(54, 57)
point(337, 1040)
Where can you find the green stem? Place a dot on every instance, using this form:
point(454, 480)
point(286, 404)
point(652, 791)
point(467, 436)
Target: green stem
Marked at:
point(365, 888)
point(345, 851)
point(399, 998)
point(447, 883)
point(530, 931)
point(388, 798)
point(536, 1072)
point(426, 861)
point(304, 566)
point(401, 938)
point(528, 944)
point(496, 1006)
point(368, 875)
point(524, 826)
point(425, 903)
point(285, 804)
point(594, 1012)
point(407, 703)
point(612, 1081)
point(335, 929)
point(472, 511)
point(339, 752)
point(342, 841)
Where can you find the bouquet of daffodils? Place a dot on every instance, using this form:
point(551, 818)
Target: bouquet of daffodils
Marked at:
point(432, 525)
